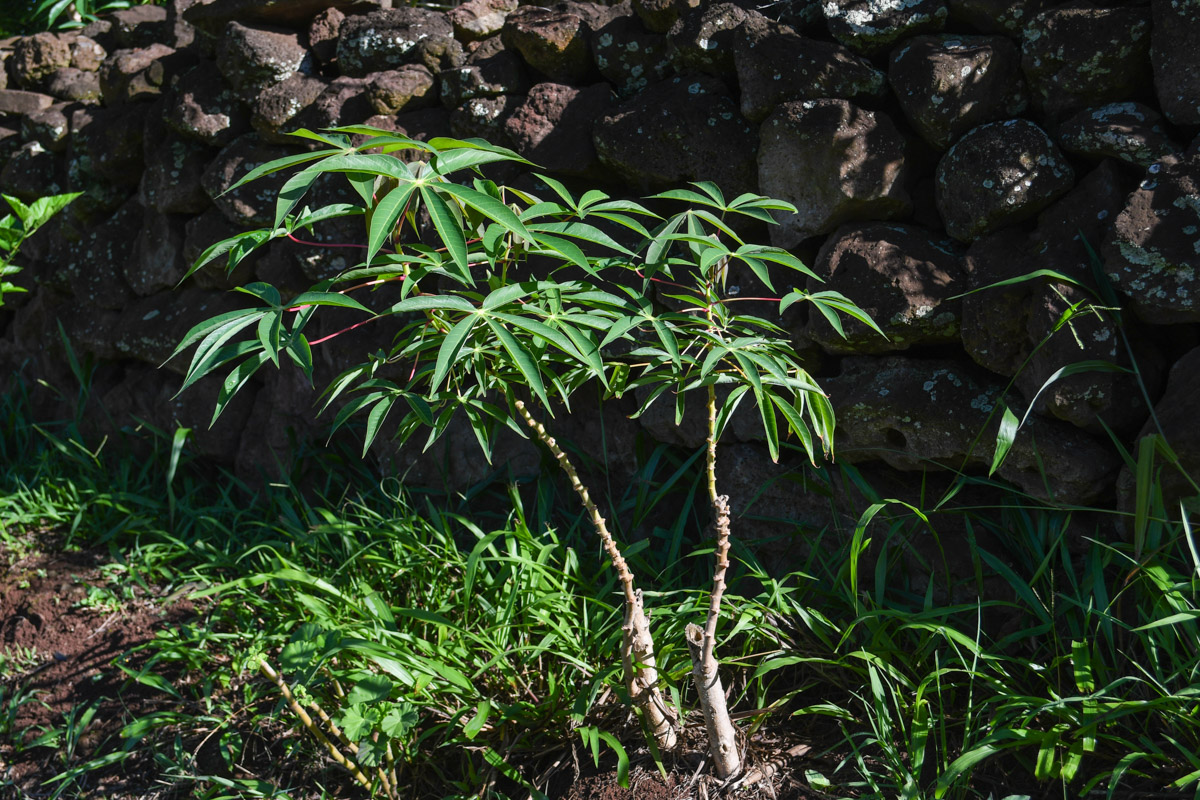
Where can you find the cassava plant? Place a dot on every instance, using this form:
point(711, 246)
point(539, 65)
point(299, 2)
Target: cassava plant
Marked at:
point(503, 304)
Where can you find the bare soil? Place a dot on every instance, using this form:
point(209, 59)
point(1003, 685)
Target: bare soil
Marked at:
point(61, 647)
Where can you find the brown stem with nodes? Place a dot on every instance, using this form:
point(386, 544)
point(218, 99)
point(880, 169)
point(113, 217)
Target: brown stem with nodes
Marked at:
point(637, 645)
point(722, 736)
point(312, 727)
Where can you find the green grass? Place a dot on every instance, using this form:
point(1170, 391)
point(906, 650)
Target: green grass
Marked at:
point(464, 653)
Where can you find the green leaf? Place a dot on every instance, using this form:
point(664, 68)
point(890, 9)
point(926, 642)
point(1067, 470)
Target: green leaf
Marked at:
point(206, 357)
point(522, 359)
point(581, 230)
point(275, 166)
point(564, 249)
point(487, 205)
point(795, 424)
point(1000, 740)
point(476, 723)
point(356, 722)
point(542, 331)
point(269, 328)
point(375, 418)
point(449, 229)
point(399, 721)
point(448, 351)
point(372, 752)
point(386, 214)
point(507, 294)
point(372, 689)
point(688, 196)
point(339, 142)
point(766, 408)
point(1005, 436)
point(667, 337)
point(39, 212)
point(432, 302)
point(235, 381)
point(327, 299)
point(468, 155)
point(293, 191)
point(263, 291)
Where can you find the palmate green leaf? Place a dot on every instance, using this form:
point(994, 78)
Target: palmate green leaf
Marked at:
point(269, 330)
point(356, 721)
point(487, 205)
point(766, 408)
point(376, 417)
point(544, 332)
point(235, 381)
point(277, 165)
point(371, 689)
point(385, 216)
point(557, 246)
point(669, 342)
point(263, 291)
point(449, 230)
point(448, 351)
point(581, 230)
point(688, 196)
point(432, 302)
point(400, 720)
point(522, 359)
point(213, 352)
point(328, 299)
point(293, 191)
point(796, 425)
point(237, 247)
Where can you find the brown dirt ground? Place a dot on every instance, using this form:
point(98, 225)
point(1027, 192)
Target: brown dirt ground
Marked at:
point(63, 651)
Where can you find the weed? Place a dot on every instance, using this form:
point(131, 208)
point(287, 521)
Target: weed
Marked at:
point(17, 660)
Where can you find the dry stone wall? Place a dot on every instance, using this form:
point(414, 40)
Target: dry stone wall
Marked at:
point(933, 148)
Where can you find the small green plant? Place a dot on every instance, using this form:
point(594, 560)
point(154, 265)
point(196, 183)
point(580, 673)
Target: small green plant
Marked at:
point(522, 301)
point(18, 226)
point(67, 14)
point(17, 660)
